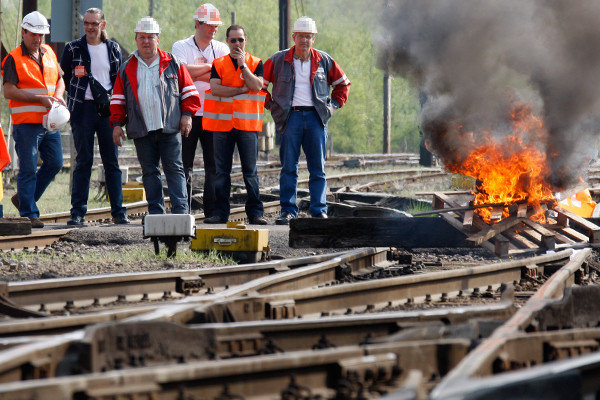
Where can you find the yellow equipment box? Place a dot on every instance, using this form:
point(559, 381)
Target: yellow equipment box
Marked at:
point(134, 194)
point(133, 184)
point(235, 240)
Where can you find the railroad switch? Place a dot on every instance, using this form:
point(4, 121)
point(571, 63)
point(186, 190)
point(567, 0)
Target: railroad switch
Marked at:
point(169, 229)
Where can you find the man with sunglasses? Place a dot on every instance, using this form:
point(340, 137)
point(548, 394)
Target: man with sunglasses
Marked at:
point(93, 57)
point(197, 53)
point(301, 106)
point(233, 109)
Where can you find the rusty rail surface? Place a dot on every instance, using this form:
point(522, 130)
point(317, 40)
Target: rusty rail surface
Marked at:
point(480, 361)
point(379, 366)
point(35, 240)
point(126, 286)
point(368, 295)
point(330, 372)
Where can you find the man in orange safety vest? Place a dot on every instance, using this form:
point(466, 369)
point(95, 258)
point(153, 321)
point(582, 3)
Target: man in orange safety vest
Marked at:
point(233, 109)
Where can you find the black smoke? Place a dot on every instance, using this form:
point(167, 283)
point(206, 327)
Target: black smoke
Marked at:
point(473, 60)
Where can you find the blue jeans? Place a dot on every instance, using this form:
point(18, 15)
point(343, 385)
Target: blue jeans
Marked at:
point(304, 129)
point(247, 144)
point(31, 141)
point(85, 122)
point(152, 149)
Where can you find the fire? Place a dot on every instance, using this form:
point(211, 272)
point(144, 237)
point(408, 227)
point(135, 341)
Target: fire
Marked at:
point(509, 168)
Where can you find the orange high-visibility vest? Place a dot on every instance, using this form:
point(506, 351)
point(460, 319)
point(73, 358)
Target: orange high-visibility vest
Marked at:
point(243, 111)
point(31, 80)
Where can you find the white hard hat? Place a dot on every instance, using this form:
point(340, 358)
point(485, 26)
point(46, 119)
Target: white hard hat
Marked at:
point(57, 117)
point(305, 24)
point(208, 14)
point(35, 22)
point(147, 25)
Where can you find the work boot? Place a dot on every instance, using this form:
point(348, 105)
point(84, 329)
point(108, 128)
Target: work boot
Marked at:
point(258, 220)
point(121, 220)
point(284, 219)
point(215, 219)
point(36, 222)
point(15, 200)
point(76, 220)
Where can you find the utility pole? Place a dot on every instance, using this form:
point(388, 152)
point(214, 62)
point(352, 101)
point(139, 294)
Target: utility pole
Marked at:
point(284, 24)
point(233, 18)
point(387, 111)
point(151, 8)
point(387, 103)
point(29, 6)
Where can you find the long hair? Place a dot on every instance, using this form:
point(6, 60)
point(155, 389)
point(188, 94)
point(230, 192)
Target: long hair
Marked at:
point(93, 10)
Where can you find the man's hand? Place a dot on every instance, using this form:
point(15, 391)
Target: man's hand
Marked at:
point(118, 134)
point(47, 100)
point(185, 125)
point(61, 101)
point(239, 55)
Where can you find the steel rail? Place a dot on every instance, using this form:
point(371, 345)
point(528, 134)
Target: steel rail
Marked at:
point(338, 324)
point(88, 288)
point(98, 214)
point(35, 240)
point(30, 292)
point(384, 291)
point(479, 361)
point(187, 309)
point(266, 376)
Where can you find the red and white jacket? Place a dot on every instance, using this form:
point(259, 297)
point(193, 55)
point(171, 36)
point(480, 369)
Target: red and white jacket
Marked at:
point(178, 96)
point(325, 73)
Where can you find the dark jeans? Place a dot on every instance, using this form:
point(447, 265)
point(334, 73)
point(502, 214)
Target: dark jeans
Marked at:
point(33, 141)
point(85, 123)
point(247, 144)
point(188, 152)
point(151, 150)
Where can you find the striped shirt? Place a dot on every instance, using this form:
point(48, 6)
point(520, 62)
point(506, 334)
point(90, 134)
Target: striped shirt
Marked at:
point(148, 93)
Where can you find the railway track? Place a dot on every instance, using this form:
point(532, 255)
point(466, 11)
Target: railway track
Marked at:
point(41, 239)
point(308, 327)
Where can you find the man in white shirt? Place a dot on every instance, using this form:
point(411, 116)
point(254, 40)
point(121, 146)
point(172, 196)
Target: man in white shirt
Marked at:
point(92, 57)
point(197, 52)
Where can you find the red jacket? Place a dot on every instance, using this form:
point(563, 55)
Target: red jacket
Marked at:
point(125, 107)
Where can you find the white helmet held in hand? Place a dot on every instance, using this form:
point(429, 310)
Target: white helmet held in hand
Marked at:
point(35, 22)
point(57, 117)
point(305, 24)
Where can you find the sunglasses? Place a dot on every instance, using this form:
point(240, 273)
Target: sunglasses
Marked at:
point(94, 24)
point(239, 40)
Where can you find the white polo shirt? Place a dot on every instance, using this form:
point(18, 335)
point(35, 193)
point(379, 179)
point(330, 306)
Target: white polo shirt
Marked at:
point(188, 52)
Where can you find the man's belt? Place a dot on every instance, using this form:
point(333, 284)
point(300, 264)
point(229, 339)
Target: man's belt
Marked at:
point(302, 108)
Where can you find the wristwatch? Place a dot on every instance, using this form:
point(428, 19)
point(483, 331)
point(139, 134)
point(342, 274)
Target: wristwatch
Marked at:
point(242, 67)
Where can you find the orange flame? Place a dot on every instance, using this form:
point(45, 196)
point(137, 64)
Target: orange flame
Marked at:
point(511, 169)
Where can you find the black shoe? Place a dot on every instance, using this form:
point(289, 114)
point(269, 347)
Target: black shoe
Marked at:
point(121, 220)
point(322, 215)
point(215, 219)
point(15, 200)
point(284, 219)
point(76, 220)
point(258, 220)
point(36, 222)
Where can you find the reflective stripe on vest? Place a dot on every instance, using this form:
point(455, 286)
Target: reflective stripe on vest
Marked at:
point(243, 111)
point(32, 80)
